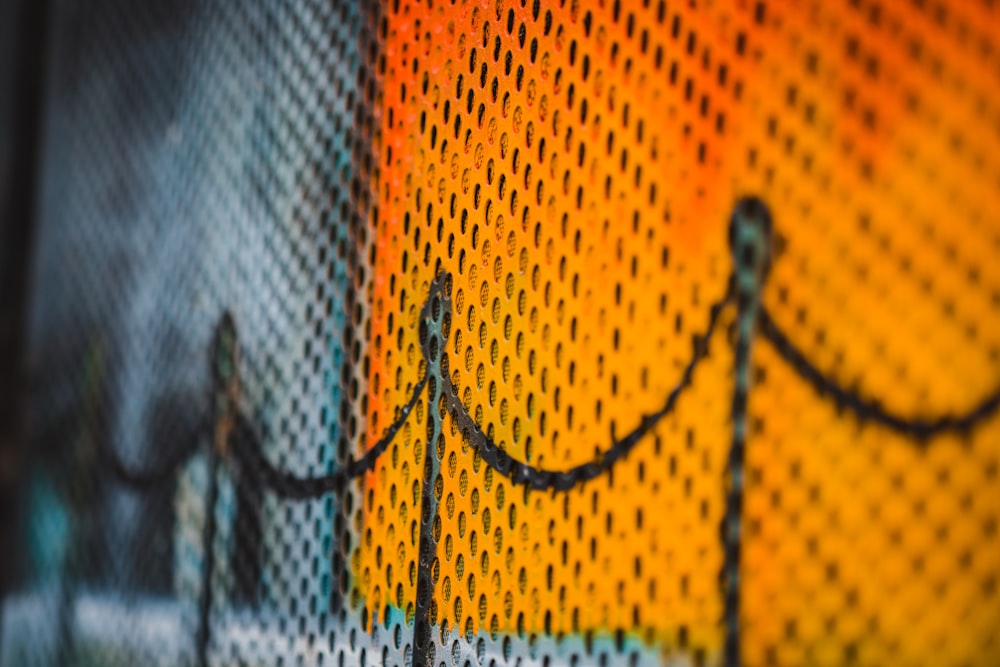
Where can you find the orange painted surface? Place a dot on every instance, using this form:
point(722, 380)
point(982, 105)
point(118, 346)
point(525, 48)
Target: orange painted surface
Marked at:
point(573, 167)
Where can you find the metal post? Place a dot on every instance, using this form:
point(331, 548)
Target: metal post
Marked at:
point(750, 243)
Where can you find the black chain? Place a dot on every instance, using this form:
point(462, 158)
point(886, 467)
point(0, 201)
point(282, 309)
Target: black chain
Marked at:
point(918, 429)
point(291, 487)
point(520, 472)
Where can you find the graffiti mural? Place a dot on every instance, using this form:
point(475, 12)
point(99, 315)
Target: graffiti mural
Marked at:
point(621, 332)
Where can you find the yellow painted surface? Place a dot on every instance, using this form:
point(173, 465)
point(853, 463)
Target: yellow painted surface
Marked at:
point(576, 180)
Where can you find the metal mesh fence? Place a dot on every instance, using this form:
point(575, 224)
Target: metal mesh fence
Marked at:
point(513, 333)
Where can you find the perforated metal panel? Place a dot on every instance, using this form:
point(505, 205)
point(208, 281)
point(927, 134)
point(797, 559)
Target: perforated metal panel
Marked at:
point(514, 333)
